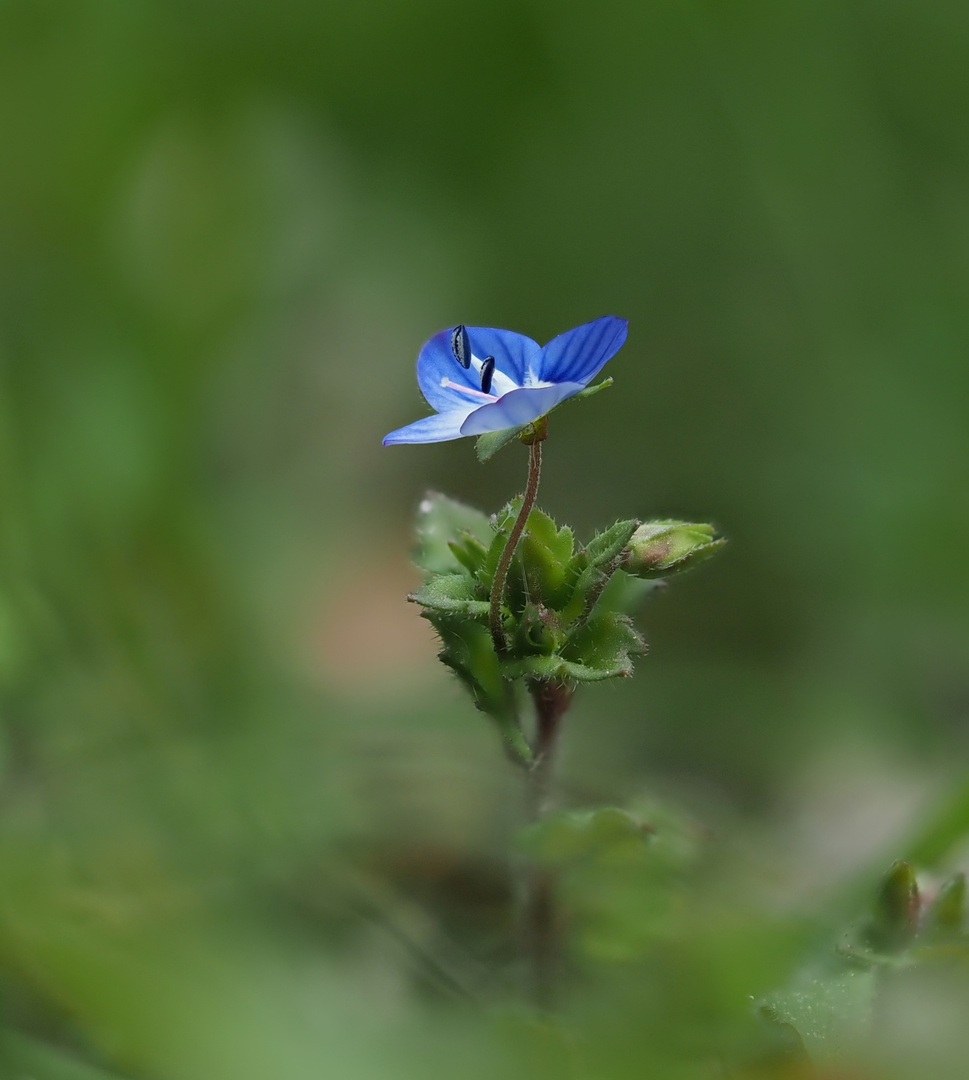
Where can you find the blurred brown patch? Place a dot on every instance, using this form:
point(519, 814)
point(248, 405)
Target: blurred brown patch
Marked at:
point(368, 640)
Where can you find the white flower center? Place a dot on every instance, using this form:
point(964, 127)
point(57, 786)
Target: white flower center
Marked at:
point(501, 383)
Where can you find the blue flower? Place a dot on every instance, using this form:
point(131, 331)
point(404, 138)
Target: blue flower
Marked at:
point(480, 379)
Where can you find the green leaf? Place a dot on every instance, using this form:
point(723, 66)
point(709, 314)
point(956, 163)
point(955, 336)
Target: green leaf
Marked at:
point(575, 834)
point(625, 593)
point(469, 551)
point(829, 1006)
point(604, 547)
point(468, 651)
point(491, 442)
point(559, 542)
point(543, 556)
point(604, 647)
point(590, 578)
point(544, 575)
point(441, 520)
point(455, 593)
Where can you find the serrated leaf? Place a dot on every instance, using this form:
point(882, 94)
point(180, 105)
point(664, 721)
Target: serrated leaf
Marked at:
point(455, 593)
point(604, 646)
point(439, 520)
point(491, 442)
point(544, 528)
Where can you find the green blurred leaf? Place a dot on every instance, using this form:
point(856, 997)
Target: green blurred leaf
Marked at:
point(469, 551)
point(575, 834)
point(22, 1056)
point(440, 520)
point(946, 915)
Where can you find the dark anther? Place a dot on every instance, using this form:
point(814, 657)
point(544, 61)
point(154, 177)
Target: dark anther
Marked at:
point(487, 370)
point(460, 346)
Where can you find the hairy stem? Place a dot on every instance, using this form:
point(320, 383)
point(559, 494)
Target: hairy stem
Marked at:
point(504, 563)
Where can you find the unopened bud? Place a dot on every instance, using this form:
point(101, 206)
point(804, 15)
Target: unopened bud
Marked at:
point(896, 910)
point(662, 548)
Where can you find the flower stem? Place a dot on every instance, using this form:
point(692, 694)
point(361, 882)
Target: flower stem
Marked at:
point(504, 563)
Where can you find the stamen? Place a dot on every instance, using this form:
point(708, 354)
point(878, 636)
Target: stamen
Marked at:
point(468, 390)
point(487, 371)
point(461, 346)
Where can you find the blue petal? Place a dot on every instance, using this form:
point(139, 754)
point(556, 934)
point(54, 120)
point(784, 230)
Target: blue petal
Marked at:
point(515, 354)
point(437, 362)
point(518, 407)
point(437, 428)
point(577, 355)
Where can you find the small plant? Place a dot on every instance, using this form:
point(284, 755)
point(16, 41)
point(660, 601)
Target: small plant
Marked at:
point(523, 609)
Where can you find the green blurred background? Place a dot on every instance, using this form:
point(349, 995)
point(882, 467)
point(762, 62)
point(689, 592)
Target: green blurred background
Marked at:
point(247, 827)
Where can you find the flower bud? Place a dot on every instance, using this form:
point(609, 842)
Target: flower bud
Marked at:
point(896, 910)
point(662, 548)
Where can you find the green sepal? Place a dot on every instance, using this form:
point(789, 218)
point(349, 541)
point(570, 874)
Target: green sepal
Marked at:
point(439, 519)
point(453, 593)
point(491, 442)
point(591, 391)
point(487, 445)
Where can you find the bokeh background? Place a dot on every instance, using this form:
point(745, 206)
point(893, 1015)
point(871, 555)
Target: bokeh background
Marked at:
point(247, 827)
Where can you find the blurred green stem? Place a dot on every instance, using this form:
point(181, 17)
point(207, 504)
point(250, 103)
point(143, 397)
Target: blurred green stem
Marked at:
point(539, 922)
point(501, 572)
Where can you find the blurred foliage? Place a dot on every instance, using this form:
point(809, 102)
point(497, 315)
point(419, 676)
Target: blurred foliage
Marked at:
point(246, 828)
